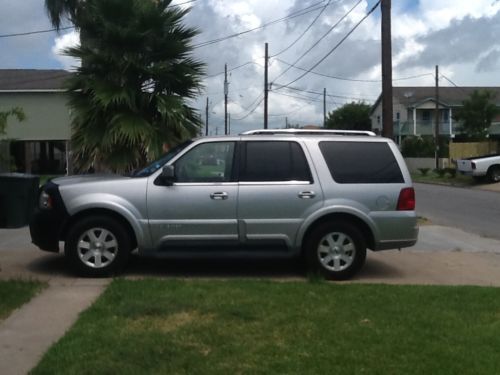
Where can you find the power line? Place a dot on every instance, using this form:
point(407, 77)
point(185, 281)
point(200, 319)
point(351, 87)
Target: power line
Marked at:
point(336, 46)
point(319, 40)
point(304, 32)
point(237, 67)
point(249, 113)
point(329, 95)
point(35, 32)
point(298, 13)
point(454, 84)
point(289, 113)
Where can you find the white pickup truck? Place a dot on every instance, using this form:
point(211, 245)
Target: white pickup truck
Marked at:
point(480, 166)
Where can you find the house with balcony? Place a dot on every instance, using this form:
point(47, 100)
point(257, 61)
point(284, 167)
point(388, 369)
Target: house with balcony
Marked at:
point(414, 110)
point(40, 143)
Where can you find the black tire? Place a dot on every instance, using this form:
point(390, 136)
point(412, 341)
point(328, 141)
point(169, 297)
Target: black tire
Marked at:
point(494, 173)
point(340, 256)
point(97, 246)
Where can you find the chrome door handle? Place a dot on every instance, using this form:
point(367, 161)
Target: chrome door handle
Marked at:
point(219, 195)
point(307, 194)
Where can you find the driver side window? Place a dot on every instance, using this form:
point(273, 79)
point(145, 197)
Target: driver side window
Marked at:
point(207, 162)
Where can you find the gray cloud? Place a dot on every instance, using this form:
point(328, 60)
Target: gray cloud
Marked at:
point(490, 62)
point(461, 42)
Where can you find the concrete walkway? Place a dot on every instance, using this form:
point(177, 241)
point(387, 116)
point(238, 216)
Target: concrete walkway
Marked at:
point(443, 256)
point(30, 331)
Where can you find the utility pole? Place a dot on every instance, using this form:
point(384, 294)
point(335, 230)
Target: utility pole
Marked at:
point(206, 119)
point(266, 92)
point(286, 122)
point(324, 107)
point(436, 129)
point(228, 123)
point(387, 109)
point(226, 91)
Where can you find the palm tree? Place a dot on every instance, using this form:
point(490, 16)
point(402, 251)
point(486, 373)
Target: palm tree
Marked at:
point(131, 95)
point(4, 115)
point(57, 10)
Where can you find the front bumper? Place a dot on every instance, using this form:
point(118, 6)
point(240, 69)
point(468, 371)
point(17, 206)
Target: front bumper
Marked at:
point(46, 225)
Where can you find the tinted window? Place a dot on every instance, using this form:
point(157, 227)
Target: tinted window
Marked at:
point(361, 162)
point(274, 161)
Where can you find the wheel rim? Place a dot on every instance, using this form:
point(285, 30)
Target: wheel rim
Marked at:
point(496, 175)
point(97, 247)
point(336, 251)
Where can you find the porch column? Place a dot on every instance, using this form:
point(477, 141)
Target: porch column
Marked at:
point(414, 121)
point(451, 121)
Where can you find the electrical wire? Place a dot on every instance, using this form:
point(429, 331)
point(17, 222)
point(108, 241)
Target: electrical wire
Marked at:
point(336, 46)
point(35, 32)
point(329, 95)
point(319, 40)
point(304, 32)
point(301, 12)
point(239, 66)
point(249, 113)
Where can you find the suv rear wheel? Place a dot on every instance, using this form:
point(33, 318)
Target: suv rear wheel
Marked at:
point(494, 173)
point(336, 250)
point(97, 246)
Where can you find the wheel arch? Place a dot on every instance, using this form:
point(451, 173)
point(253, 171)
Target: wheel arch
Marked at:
point(100, 212)
point(345, 217)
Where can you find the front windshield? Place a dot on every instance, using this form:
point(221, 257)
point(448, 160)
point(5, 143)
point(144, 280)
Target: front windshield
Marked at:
point(157, 164)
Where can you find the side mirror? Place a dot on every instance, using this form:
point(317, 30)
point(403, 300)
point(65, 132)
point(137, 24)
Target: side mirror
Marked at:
point(167, 176)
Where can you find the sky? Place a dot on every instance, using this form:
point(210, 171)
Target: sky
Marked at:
point(461, 36)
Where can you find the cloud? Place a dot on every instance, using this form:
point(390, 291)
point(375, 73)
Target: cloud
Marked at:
point(489, 62)
point(63, 42)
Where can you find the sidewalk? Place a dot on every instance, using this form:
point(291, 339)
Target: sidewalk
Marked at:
point(443, 256)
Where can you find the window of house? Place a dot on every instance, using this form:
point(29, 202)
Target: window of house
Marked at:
point(274, 161)
point(426, 115)
point(361, 162)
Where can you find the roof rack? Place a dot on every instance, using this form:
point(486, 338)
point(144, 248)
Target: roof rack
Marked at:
point(309, 132)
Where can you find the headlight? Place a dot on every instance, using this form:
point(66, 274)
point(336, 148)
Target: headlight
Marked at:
point(45, 201)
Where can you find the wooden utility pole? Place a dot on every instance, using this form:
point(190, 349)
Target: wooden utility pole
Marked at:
point(226, 91)
point(387, 116)
point(436, 129)
point(206, 119)
point(228, 123)
point(324, 107)
point(266, 92)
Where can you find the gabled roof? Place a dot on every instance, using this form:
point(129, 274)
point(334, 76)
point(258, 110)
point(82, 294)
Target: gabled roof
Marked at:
point(32, 79)
point(451, 96)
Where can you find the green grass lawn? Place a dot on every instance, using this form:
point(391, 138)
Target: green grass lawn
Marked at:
point(431, 177)
point(14, 293)
point(265, 327)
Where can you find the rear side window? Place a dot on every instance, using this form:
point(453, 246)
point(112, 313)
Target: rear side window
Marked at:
point(274, 161)
point(361, 162)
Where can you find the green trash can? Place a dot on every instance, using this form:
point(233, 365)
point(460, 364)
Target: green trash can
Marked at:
point(18, 199)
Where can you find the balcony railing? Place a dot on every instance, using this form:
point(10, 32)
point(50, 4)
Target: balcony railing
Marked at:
point(424, 128)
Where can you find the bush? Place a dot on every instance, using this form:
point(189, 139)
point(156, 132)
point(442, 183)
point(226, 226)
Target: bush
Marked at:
point(440, 172)
point(451, 171)
point(423, 147)
point(424, 171)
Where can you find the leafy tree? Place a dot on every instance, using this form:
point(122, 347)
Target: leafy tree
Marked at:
point(351, 116)
point(477, 113)
point(4, 115)
point(129, 97)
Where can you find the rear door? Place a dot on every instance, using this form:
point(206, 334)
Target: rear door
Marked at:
point(278, 190)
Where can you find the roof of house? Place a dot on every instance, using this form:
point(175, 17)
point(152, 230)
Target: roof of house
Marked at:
point(451, 96)
point(32, 79)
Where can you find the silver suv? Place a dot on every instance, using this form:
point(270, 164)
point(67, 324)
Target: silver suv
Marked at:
point(324, 195)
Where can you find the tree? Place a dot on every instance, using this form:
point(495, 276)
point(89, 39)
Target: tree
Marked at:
point(4, 115)
point(129, 98)
point(351, 116)
point(57, 10)
point(477, 113)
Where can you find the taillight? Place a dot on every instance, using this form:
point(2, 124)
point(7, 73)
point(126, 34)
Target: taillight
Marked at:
point(406, 201)
point(473, 165)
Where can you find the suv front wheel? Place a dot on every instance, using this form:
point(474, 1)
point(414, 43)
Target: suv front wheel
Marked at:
point(336, 250)
point(97, 246)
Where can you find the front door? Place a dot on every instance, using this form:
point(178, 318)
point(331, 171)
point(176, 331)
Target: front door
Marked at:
point(199, 210)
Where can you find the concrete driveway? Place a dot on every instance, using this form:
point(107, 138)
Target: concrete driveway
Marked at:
point(443, 255)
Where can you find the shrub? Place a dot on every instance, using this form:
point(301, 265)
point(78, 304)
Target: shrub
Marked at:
point(424, 171)
point(451, 171)
point(440, 172)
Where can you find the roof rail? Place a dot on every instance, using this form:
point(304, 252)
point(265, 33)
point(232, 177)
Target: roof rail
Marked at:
point(308, 132)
